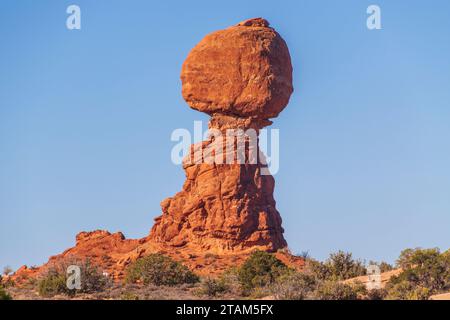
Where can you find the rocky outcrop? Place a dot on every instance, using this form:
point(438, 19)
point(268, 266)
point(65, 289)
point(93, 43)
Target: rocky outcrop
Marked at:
point(102, 248)
point(222, 208)
point(242, 77)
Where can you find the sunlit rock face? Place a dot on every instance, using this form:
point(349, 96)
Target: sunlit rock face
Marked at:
point(244, 71)
point(242, 77)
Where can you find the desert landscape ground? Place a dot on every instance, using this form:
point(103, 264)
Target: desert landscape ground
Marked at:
point(420, 274)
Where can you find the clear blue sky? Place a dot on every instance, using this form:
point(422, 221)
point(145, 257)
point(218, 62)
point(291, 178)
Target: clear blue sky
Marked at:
point(86, 118)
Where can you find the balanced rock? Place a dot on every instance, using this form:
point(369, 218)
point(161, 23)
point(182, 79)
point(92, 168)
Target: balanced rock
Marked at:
point(242, 77)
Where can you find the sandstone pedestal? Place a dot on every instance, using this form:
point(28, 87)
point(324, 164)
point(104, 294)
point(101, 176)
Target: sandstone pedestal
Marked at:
point(242, 77)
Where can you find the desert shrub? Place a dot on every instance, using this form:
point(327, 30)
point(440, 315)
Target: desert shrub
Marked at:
point(260, 270)
point(424, 272)
point(336, 290)
point(384, 266)
point(342, 266)
point(159, 270)
point(318, 269)
point(259, 293)
point(339, 266)
point(6, 282)
point(129, 296)
point(294, 286)
point(55, 280)
point(231, 278)
point(213, 287)
point(53, 283)
point(4, 295)
point(7, 270)
point(376, 294)
point(404, 261)
point(404, 290)
point(92, 279)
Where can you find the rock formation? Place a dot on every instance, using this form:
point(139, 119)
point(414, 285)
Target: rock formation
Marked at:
point(242, 77)
point(243, 71)
point(102, 248)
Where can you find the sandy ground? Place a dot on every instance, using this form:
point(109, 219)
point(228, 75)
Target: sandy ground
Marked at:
point(443, 296)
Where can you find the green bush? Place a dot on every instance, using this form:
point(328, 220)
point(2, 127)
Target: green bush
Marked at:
point(404, 290)
point(55, 280)
point(376, 294)
point(259, 270)
point(318, 269)
point(3, 294)
point(335, 290)
point(231, 279)
point(213, 287)
point(129, 296)
point(424, 272)
point(384, 266)
point(92, 279)
point(294, 286)
point(53, 283)
point(339, 266)
point(159, 270)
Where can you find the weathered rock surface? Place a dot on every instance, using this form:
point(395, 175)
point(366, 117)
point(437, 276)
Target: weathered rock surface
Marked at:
point(244, 70)
point(102, 248)
point(242, 76)
point(222, 208)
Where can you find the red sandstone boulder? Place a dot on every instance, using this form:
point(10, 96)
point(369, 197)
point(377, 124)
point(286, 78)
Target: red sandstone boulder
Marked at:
point(244, 70)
